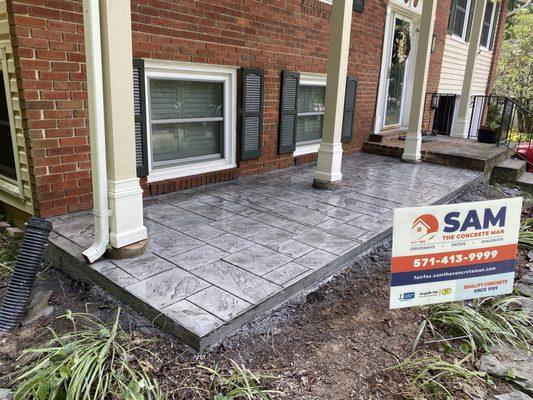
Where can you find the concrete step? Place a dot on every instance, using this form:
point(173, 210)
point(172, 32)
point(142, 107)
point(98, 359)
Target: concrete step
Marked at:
point(509, 170)
point(386, 135)
point(383, 149)
point(526, 182)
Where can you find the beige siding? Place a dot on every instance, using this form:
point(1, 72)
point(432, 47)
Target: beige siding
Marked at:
point(23, 202)
point(481, 73)
point(453, 68)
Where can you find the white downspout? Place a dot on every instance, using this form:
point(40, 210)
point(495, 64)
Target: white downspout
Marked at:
point(93, 54)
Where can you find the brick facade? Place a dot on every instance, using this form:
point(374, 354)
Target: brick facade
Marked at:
point(271, 35)
point(497, 45)
point(48, 43)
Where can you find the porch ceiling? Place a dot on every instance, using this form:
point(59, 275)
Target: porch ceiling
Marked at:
point(221, 255)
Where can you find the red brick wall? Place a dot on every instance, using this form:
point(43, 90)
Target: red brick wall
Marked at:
point(50, 66)
point(497, 46)
point(271, 35)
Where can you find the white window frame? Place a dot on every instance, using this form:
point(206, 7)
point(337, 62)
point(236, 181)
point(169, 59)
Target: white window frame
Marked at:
point(7, 184)
point(462, 37)
point(492, 22)
point(309, 79)
point(195, 72)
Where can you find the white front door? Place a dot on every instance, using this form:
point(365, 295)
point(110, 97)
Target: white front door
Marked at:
point(400, 51)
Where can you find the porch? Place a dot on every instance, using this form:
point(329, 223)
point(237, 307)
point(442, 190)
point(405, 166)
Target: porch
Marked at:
point(222, 255)
point(445, 150)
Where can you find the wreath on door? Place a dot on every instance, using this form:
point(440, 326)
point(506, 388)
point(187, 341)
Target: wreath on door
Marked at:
point(401, 45)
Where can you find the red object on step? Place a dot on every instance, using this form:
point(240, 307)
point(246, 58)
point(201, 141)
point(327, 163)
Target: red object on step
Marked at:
point(525, 149)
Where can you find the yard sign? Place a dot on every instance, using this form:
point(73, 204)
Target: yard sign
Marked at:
point(454, 252)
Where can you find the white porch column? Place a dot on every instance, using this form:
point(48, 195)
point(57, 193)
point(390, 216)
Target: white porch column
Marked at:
point(413, 139)
point(328, 172)
point(124, 190)
point(462, 120)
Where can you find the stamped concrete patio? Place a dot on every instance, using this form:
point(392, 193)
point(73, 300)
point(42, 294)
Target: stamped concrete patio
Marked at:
point(221, 255)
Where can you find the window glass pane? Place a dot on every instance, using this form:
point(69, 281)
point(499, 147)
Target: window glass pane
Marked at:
point(311, 99)
point(459, 22)
point(488, 12)
point(7, 159)
point(184, 140)
point(309, 128)
point(462, 4)
point(484, 41)
point(173, 99)
point(485, 30)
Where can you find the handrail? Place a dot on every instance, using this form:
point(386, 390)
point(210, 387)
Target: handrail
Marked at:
point(514, 121)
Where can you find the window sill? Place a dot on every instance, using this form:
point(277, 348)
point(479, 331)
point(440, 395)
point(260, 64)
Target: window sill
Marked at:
point(457, 39)
point(485, 50)
point(189, 170)
point(306, 149)
point(11, 188)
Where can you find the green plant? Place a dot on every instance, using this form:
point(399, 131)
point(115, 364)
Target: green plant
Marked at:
point(525, 236)
point(94, 361)
point(432, 375)
point(8, 257)
point(493, 118)
point(485, 323)
point(236, 382)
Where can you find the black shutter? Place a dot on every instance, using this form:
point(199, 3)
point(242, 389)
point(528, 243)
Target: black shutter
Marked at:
point(494, 26)
point(141, 145)
point(252, 113)
point(451, 18)
point(288, 111)
point(359, 6)
point(470, 17)
point(349, 110)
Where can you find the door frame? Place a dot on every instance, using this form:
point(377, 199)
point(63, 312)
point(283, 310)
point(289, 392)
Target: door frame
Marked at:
point(392, 11)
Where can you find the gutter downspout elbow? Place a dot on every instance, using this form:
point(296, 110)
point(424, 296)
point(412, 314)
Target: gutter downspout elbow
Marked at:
point(95, 89)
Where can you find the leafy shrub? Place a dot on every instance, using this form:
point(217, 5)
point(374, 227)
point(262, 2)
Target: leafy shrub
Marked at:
point(93, 361)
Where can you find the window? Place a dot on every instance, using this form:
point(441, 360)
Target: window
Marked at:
point(310, 119)
point(7, 157)
point(191, 119)
point(10, 180)
point(489, 19)
point(459, 15)
point(187, 120)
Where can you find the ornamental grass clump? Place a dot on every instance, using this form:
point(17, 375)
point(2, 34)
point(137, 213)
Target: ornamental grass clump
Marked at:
point(93, 361)
point(525, 236)
point(431, 376)
point(485, 323)
point(235, 382)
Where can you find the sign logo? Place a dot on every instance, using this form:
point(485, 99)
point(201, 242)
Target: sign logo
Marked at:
point(446, 291)
point(425, 227)
point(407, 296)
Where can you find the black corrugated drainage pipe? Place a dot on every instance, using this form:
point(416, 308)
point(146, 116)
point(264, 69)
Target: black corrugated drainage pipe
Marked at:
point(28, 262)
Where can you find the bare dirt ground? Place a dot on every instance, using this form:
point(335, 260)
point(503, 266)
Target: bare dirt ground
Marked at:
point(334, 343)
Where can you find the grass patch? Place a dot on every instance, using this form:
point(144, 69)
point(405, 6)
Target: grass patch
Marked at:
point(525, 236)
point(8, 256)
point(432, 377)
point(485, 323)
point(93, 361)
point(232, 382)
